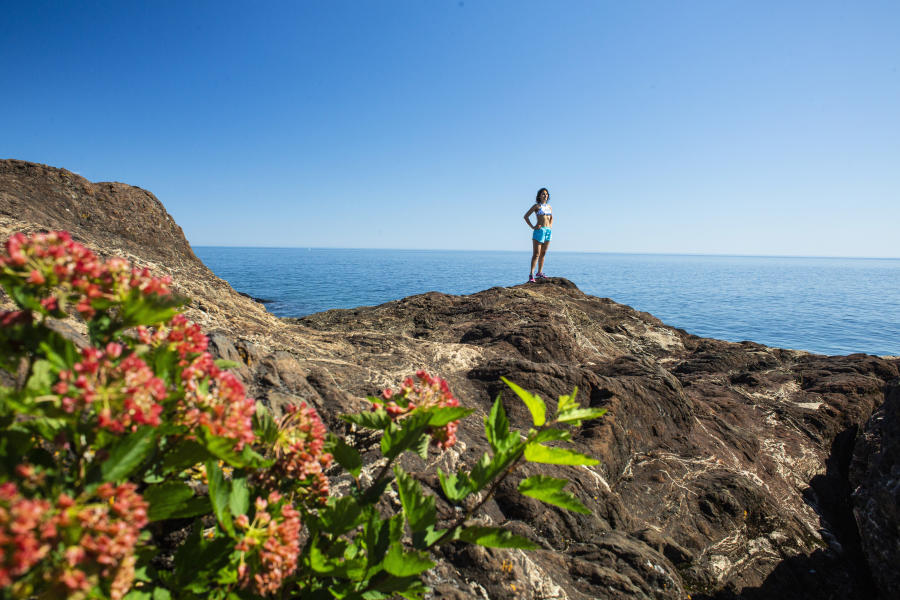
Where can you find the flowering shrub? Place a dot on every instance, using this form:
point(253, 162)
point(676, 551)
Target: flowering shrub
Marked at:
point(425, 392)
point(123, 395)
point(102, 447)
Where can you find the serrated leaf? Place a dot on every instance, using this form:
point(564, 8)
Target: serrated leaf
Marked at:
point(496, 428)
point(556, 456)
point(495, 537)
point(534, 403)
point(128, 454)
point(549, 490)
point(419, 509)
point(219, 492)
point(567, 402)
point(373, 419)
point(346, 455)
point(422, 446)
point(399, 438)
point(341, 514)
point(551, 435)
point(405, 564)
point(577, 415)
point(456, 486)
point(442, 415)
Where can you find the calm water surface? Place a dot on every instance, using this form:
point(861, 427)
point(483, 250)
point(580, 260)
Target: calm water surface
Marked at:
point(825, 305)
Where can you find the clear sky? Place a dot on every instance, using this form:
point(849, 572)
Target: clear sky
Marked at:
point(709, 127)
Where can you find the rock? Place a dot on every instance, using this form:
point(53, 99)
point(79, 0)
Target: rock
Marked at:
point(875, 475)
point(724, 467)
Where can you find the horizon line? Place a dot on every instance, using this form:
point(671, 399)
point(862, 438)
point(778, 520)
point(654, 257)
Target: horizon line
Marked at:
point(708, 254)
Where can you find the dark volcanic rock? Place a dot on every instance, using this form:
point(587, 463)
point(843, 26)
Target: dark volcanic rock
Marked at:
point(875, 474)
point(724, 466)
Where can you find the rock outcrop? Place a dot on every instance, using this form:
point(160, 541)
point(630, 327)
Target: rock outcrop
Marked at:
point(725, 467)
point(875, 475)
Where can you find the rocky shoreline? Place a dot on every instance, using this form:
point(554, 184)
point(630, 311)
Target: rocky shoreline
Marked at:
point(728, 470)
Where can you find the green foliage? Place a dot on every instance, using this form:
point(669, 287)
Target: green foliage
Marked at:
point(549, 490)
point(131, 445)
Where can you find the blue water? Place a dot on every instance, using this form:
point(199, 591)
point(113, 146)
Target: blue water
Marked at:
point(824, 305)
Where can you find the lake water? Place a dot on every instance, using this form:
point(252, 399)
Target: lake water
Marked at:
point(824, 305)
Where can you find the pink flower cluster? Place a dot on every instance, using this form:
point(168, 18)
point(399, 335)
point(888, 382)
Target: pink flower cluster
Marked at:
point(96, 540)
point(124, 394)
point(106, 533)
point(215, 399)
point(63, 271)
point(423, 392)
point(180, 334)
point(300, 457)
point(25, 532)
point(269, 546)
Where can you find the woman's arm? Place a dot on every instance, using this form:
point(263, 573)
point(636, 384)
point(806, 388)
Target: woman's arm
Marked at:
point(528, 214)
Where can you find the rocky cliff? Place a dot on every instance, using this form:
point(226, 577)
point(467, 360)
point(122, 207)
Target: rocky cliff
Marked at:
point(725, 468)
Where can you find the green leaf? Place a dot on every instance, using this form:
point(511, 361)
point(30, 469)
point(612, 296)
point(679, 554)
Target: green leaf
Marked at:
point(486, 469)
point(184, 456)
point(398, 438)
point(239, 498)
point(373, 419)
point(551, 435)
point(495, 537)
point(496, 428)
point(174, 500)
point(532, 401)
point(456, 486)
point(442, 415)
point(404, 564)
point(140, 309)
point(567, 402)
point(128, 454)
point(226, 364)
point(549, 490)
point(419, 509)
point(61, 352)
point(198, 559)
point(164, 363)
point(223, 448)
point(22, 296)
point(43, 376)
point(341, 514)
point(423, 446)
point(264, 425)
point(556, 456)
point(346, 455)
point(577, 415)
point(219, 493)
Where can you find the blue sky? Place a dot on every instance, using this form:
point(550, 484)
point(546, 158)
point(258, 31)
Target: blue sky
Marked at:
point(683, 127)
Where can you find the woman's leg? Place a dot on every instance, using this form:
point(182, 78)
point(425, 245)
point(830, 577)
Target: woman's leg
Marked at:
point(535, 251)
point(543, 253)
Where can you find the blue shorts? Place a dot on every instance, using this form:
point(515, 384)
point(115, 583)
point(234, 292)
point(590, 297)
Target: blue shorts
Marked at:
point(542, 235)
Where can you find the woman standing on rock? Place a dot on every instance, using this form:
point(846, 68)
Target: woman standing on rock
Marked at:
point(540, 239)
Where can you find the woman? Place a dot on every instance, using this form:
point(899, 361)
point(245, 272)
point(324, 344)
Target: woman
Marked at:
point(540, 240)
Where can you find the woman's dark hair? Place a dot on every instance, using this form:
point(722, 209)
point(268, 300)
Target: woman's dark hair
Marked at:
point(537, 198)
